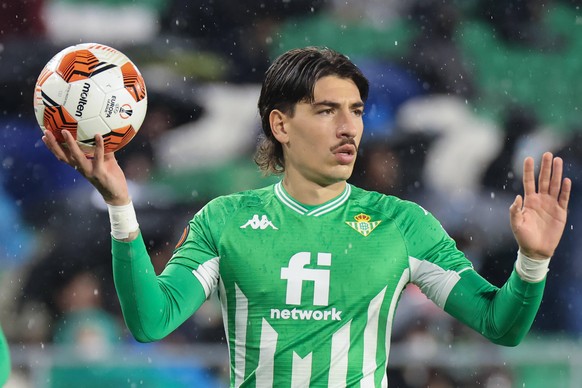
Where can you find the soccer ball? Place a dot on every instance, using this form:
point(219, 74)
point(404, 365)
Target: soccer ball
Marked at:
point(88, 89)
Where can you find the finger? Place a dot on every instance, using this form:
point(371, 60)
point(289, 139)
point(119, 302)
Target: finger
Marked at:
point(556, 179)
point(51, 142)
point(515, 214)
point(565, 193)
point(78, 156)
point(529, 185)
point(545, 173)
point(98, 155)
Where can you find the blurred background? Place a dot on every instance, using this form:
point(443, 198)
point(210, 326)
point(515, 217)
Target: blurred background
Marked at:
point(461, 92)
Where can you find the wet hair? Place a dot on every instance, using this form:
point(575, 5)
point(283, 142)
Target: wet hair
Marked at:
point(290, 79)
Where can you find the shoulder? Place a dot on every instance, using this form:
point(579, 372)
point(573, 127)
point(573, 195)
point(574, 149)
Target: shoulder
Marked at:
point(231, 203)
point(391, 206)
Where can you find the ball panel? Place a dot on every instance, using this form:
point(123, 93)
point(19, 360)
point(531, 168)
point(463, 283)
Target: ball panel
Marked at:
point(110, 80)
point(133, 81)
point(87, 129)
point(77, 65)
point(84, 99)
point(107, 54)
point(121, 109)
point(43, 76)
point(119, 137)
point(54, 90)
point(55, 119)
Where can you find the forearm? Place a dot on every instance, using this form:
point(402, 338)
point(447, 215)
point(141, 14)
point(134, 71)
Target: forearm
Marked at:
point(153, 306)
point(503, 315)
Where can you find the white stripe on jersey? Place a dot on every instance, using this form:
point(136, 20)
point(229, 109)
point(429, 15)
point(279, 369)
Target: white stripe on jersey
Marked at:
point(393, 303)
point(318, 211)
point(301, 374)
point(207, 274)
point(280, 193)
point(371, 340)
point(338, 365)
point(267, 348)
point(224, 307)
point(434, 282)
point(240, 335)
point(333, 204)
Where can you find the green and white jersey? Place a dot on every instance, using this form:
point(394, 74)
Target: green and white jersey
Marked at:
point(309, 292)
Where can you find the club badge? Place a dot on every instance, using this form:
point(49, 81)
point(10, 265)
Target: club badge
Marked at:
point(363, 225)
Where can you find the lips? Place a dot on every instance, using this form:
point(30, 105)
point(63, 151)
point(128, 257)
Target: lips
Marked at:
point(345, 153)
point(345, 149)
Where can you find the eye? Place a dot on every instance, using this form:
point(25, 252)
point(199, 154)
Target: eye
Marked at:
point(359, 112)
point(325, 112)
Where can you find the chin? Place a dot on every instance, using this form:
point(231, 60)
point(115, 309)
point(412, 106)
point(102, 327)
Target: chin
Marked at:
point(342, 173)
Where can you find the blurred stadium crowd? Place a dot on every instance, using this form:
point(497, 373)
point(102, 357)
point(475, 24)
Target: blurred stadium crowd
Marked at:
point(460, 92)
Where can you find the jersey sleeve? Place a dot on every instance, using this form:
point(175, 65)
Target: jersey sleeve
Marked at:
point(198, 250)
point(435, 262)
point(153, 306)
point(504, 315)
point(443, 273)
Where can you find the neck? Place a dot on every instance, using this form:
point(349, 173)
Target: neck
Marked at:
point(312, 193)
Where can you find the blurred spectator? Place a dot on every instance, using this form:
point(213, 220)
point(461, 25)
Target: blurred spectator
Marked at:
point(391, 85)
point(464, 142)
point(84, 324)
point(21, 58)
point(393, 166)
point(434, 54)
point(561, 308)
point(241, 32)
point(500, 175)
point(521, 23)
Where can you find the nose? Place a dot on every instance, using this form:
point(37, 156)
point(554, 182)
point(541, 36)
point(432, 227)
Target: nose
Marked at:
point(348, 124)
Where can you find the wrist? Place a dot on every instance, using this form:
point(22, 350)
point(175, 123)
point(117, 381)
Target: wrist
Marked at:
point(123, 220)
point(123, 201)
point(533, 255)
point(531, 270)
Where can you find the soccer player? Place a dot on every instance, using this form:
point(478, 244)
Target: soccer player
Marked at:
point(4, 359)
point(309, 270)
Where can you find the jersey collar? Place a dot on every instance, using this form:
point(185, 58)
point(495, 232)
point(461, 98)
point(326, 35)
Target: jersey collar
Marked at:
point(314, 211)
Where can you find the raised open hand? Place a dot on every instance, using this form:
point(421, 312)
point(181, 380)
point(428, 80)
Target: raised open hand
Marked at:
point(102, 170)
point(538, 219)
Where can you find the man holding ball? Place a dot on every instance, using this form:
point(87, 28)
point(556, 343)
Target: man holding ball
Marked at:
point(309, 270)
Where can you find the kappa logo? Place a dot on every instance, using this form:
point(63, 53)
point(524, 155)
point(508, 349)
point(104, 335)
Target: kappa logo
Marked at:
point(256, 223)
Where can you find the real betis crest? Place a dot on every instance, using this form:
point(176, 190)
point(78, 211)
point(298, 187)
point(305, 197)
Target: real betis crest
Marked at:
point(363, 224)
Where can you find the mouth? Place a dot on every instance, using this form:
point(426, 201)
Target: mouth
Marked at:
point(346, 151)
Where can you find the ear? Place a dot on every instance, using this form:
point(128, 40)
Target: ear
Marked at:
point(278, 122)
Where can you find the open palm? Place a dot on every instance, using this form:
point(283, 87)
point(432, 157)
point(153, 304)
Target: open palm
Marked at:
point(538, 219)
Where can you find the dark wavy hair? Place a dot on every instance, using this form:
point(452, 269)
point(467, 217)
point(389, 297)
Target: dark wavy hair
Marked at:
point(291, 79)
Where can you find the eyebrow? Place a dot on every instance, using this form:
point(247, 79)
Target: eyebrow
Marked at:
point(333, 104)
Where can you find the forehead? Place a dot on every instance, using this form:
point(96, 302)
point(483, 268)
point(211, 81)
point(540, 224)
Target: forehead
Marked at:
point(334, 88)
